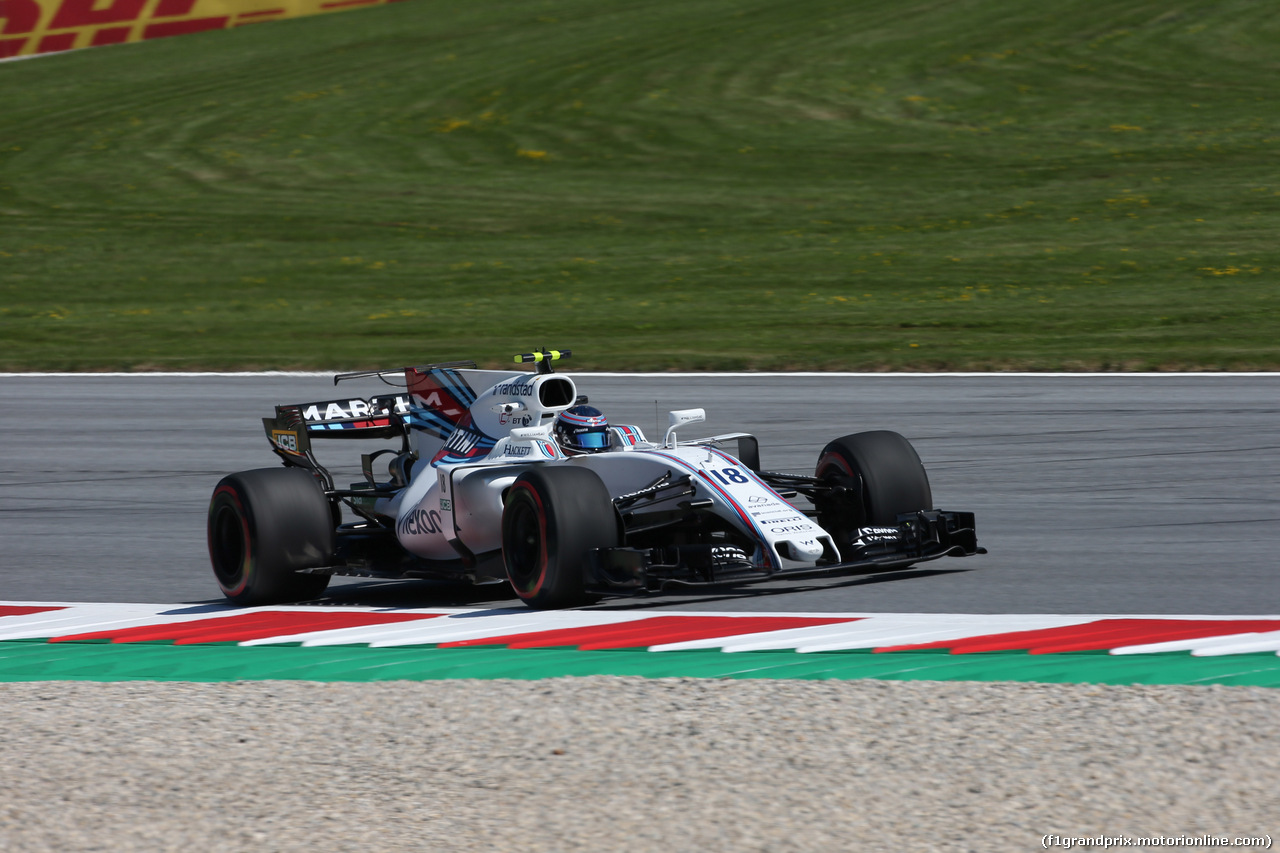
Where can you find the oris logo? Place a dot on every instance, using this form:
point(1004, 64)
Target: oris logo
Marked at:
point(792, 528)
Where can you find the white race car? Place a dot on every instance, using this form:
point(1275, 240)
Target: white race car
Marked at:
point(511, 476)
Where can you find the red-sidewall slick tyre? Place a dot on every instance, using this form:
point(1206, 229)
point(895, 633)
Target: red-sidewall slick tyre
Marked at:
point(893, 479)
point(263, 526)
point(554, 516)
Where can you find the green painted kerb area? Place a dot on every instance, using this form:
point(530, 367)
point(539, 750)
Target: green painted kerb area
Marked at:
point(42, 661)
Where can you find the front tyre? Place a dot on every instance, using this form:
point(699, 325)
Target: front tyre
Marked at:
point(264, 525)
point(880, 476)
point(553, 517)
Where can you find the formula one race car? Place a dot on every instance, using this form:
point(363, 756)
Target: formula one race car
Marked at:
point(509, 475)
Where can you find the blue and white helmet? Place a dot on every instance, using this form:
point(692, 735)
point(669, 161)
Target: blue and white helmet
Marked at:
point(582, 429)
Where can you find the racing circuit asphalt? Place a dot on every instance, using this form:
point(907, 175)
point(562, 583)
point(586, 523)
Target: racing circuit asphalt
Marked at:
point(1095, 494)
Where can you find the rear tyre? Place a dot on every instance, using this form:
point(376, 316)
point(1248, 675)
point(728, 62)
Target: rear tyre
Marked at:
point(264, 525)
point(553, 517)
point(885, 478)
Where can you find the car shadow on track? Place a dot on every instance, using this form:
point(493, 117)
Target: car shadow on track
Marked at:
point(426, 593)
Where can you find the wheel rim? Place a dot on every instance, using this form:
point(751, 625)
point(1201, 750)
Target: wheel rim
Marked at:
point(524, 545)
point(839, 518)
point(230, 547)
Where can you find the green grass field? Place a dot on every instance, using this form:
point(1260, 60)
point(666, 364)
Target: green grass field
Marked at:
point(978, 184)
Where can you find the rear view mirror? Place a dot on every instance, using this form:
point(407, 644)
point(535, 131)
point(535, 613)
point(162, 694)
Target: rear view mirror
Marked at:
point(680, 418)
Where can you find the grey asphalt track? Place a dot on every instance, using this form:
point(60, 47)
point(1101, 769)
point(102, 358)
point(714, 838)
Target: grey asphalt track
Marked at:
point(1094, 494)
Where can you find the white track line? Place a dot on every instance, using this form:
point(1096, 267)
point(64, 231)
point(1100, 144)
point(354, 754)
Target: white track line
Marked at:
point(324, 374)
point(1229, 644)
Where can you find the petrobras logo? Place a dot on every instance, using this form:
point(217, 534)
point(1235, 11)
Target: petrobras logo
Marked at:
point(873, 535)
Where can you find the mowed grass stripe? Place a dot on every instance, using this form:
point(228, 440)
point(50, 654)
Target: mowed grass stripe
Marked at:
point(728, 185)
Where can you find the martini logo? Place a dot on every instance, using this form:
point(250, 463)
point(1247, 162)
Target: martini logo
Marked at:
point(462, 442)
point(438, 402)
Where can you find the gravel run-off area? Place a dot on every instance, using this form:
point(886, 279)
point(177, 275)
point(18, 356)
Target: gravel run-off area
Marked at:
point(628, 764)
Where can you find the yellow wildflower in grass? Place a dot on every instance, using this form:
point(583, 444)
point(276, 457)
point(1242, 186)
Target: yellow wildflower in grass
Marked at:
point(449, 125)
point(531, 154)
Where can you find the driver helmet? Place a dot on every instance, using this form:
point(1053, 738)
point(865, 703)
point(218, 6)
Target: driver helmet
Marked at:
point(582, 429)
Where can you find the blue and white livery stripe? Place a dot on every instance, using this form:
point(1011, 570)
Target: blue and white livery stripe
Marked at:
point(628, 435)
point(743, 515)
point(570, 417)
point(749, 473)
point(430, 421)
point(452, 381)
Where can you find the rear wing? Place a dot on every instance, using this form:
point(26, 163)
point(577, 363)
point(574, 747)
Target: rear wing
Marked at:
point(377, 417)
point(433, 403)
point(294, 426)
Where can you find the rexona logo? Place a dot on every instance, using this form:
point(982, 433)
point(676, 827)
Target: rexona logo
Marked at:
point(29, 27)
point(419, 522)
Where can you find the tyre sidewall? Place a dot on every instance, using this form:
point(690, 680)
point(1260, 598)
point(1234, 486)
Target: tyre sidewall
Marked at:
point(575, 514)
point(894, 481)
point(286, 524)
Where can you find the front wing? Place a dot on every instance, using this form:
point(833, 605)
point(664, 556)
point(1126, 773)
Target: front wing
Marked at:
point(917, 538)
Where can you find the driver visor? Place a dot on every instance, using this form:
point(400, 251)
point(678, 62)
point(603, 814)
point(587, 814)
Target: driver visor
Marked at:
point(593, 440)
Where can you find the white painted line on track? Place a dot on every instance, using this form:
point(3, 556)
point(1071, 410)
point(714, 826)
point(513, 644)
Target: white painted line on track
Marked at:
point(923, 632)
point(883, 630)
point(87, 620)
point(1229, 644)
point(450, 628)
point(309, 374)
